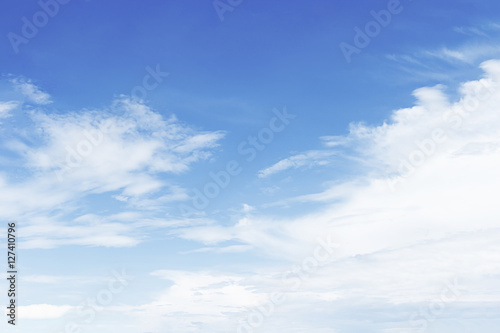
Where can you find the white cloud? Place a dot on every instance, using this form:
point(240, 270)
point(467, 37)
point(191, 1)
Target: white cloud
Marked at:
point(203, 297)
point(449, 63)
point(334, 140)
point(6, 107)
point(309, 159)
point(88, 230)
point(482, 30)
point(470, 31)
point(451, 190)
point(88, 145)
point(59, 280)
point(402, 235)
point(224, 249)
point(43, 311)
point(31, 91)
point(247, 208)
point(403, 280)
point(400, 244)
point(124, 152)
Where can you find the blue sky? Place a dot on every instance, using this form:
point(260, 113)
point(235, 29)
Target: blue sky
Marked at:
point(187, 164)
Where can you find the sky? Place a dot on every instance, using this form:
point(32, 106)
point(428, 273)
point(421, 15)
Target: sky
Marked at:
point(251, 166)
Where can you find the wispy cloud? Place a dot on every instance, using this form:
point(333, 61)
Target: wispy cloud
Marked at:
point(470, 31)
point(31, 91)
point(71, 156)
point(482, 30)
point(6, 108)
point(308, 159)
point(446, 62)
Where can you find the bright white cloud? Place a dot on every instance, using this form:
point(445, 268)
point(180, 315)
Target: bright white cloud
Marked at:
point(43, 311)
point(420, 185)
point(422, 213)
point(203, 297)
